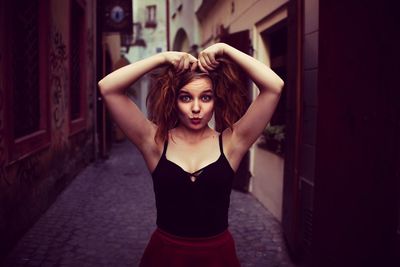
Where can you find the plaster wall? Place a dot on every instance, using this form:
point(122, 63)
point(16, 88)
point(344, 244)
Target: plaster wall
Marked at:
point(235, 15)
point(155, 40)
point(182, 16)
point(267, 179)
point(154, 37)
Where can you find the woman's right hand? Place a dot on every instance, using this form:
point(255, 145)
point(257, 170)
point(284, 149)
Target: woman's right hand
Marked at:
point(180, 60)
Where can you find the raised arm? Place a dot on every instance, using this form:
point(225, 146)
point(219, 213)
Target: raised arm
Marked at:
point(123, 110)
point(250, 126)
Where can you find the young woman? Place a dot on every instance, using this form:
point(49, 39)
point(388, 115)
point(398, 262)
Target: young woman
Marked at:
point(192, 165)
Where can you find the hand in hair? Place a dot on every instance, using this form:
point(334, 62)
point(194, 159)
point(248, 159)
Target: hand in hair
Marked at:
point(208, 58)
point(180, 60)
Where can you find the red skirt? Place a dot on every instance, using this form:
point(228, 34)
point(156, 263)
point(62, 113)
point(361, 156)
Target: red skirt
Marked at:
point(166, 250)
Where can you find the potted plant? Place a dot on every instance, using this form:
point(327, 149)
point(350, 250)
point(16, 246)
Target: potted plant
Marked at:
point(273, 139)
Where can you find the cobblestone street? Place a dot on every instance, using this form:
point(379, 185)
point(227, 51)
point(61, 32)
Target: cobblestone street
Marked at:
point(106, 216)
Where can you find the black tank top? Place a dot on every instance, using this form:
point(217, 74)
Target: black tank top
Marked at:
point(193, 209)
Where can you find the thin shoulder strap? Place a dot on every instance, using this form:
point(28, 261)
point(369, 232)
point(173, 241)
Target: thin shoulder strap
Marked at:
point(220, 144)
point(165, 148)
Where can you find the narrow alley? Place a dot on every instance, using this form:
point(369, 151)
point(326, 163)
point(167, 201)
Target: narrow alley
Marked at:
point(106, 216)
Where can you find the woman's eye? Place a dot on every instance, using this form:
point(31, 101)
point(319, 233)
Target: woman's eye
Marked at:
point(184, 98)
point(206, 98)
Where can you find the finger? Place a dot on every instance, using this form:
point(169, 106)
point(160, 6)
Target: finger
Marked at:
point(192, 58)
point(203, 63)
point(208, 67)
point(186, 63)
point(174, 62)
point(181, 64)
point(194, 66)
point(207, 60)
point(215, 65)
point(201, 67)
point(214, 61)
point(212, 64)
point(192, 62)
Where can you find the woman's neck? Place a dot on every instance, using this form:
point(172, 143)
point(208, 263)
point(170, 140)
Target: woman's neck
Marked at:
point(192, 136)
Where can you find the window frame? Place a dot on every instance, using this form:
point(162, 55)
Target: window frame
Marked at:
point(29, 144)
point(151, 23)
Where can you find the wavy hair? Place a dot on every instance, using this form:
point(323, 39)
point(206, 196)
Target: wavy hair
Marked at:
point(230, 96)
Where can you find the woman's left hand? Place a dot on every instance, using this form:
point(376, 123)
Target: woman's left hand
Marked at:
point(207, 60)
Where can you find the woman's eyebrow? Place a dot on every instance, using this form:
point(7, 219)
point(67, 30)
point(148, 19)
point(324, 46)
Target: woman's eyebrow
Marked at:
point(183, 91)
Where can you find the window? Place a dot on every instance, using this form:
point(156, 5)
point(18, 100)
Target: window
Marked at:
point(25, 48)
point(151, 17)
point(77, 97)
point(27, 77)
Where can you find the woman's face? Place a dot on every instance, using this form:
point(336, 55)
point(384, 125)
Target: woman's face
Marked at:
point(196, 103)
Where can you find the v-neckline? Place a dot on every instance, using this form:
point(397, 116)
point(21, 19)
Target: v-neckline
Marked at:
point(199, 170)
point(196, 174)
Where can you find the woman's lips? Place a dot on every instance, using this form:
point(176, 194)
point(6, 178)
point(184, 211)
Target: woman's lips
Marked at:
point(195, 120)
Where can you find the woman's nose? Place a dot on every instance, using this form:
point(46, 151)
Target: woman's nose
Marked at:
point(196, 107)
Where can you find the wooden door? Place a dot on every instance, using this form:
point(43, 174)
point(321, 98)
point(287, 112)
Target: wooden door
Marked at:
point(291, 193)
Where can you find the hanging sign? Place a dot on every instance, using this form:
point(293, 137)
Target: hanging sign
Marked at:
point(117, 16)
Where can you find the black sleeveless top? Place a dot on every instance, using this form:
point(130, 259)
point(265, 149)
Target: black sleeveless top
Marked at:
point(193, 204)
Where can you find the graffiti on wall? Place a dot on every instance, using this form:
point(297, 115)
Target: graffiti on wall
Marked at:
point(28, 172)
point(58, 85)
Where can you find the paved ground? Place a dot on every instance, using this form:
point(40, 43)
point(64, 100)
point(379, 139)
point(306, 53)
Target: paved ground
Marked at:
point(106, 216)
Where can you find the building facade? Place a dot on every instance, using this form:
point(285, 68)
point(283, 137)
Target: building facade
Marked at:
point(47, 105)
point(149, 38)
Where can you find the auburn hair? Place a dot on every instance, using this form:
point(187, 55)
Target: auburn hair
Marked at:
point(230, 96)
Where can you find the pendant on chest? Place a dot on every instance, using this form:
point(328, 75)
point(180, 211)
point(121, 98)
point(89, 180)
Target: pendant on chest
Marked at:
point(193, 176)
